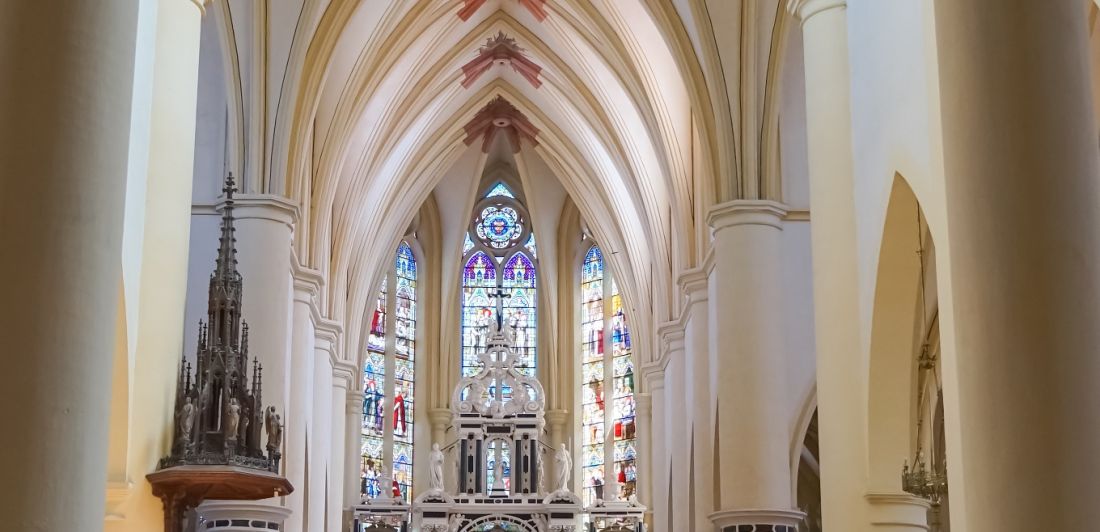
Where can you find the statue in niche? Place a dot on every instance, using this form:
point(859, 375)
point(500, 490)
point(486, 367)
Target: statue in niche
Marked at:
point(498, 476)
point(564, 466)
point(232, 419)
point(435, 479)
point(187, 420)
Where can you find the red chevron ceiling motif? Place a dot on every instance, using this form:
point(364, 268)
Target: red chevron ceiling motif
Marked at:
point(501, 50)
point(536, 7)
point(499, 115)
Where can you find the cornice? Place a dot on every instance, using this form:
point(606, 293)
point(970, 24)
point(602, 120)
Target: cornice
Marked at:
point(756, 516)
point(344, 373)
point(306, 279)
point(806, 9)
point(746, 212)
point(694, 282)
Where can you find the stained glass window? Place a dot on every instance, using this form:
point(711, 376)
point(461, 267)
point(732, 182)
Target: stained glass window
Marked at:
point(623, 420)
point(499, 272)
point(593, 408)
point(479, 281)
point(609, 428)
point(519, 309)
point(374, 386)
point(392, 337)
point(500, 189)
point(404, 369)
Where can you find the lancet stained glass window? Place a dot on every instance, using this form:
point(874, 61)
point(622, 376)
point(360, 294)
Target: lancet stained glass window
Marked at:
point(592, 377)
point(390, 370)
point(499, 270)
point(608, 423)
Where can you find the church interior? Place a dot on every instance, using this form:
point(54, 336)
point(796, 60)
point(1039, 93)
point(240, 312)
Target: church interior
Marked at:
point(550, 265)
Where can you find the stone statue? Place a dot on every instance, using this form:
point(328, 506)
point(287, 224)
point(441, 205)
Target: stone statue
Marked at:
point(187, 420)
point(563, 467)
point(274, 425)
point(498, 476)
point(232, 419)
point(435, 480)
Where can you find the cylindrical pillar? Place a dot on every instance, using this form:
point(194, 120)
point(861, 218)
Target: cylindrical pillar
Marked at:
point(841, 356)
point(680, 466)
point(264, 231)
point(321, 428)
point(353, 460)
point(1023, 221)
point(65, 105)
point(897, 512)
point(657, 470)
point(299, 419)
point(340, 468)
point(750, 360)
point(698, 397)
point(644, 410)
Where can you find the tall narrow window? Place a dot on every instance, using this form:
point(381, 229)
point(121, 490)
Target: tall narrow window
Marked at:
point(499, 275)
point(390, 371)
point(592, 377)
point(608, 426)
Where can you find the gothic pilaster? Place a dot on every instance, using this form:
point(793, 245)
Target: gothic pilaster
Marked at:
point(699, 382)
point(353, 432)
point(749, 362)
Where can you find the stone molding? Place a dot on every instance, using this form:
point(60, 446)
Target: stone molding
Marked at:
point(898, 510)
point(761, 519)
point(746, 212)
point(440, 417)
point(262, 207)
point(806, 9)
point(257, 515)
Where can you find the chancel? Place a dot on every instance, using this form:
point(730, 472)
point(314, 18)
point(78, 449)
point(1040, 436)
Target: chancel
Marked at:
point(550, 265)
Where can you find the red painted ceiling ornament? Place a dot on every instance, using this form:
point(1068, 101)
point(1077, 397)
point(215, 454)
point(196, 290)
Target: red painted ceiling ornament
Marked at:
point(499, 115)
point(501, 50)
point(536, 7)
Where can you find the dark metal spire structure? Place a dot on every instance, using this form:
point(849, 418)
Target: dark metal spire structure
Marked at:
point(219, 414)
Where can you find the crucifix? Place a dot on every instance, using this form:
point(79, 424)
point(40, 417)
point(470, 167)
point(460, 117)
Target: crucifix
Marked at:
point(500, 296)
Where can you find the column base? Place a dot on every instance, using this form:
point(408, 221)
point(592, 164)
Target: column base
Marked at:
point(898, 512)
point(240, 516)
point(757, 520)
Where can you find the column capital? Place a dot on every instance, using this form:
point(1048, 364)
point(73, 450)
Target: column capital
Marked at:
point(806, 9)
point(263, 207)
point(644, 404)
point(307, 281)
point(556, 417)
point(776, 518)
point(694, 283)
point(354, 401)
point(440, 416)
point(746, 212)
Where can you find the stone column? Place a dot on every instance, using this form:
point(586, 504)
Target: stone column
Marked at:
point(353, 435)
point(300, 420)
point(644, 410)
point(699, 439)
point(65, 105)
point(264, 231)
point(750, 357)
point(319, 445)
point(1023, 224)
point(841, 386)
point(679, 460)
point(341, 469)
point(657, 468)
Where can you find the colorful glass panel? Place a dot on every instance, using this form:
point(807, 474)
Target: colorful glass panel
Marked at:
point(624, 425)
point(500, 189)
point(499, 227)
point(479, 282)
point(404, 369)
point(519, 310)
point(592, 377)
